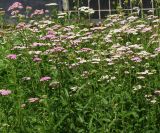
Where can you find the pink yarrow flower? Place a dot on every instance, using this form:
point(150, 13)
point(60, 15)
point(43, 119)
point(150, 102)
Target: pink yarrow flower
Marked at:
point(38, 12)
point(21, 25)
point(5, 92)
point(46, 78)
point(57, 49)
point(86, 50)
point(33, 100)
point(36, 59)
point(49, 36)
point(136, 59)
point(12, 56)
point(35, 44)
point(157, 49)
point(15, 5)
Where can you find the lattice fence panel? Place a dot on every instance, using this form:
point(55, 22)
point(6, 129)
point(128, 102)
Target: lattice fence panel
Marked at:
point(104, 7)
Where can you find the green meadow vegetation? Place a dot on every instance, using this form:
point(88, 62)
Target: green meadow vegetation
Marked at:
point(64, 76)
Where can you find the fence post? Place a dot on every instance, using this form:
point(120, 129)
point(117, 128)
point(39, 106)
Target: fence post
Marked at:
point(109, 7)
point(131, 6)
point(152, 2)
point(89, 7)
point(99, 9)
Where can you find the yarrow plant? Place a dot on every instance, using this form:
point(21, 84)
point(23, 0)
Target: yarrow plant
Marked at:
point(12, 56)
point(4, 92)
point(86, 76)
point(33, 100)
point(46, 78)
point(15, 6)
point(86, 10)
point(37, 12)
